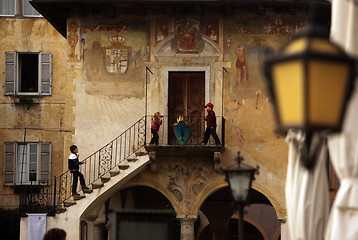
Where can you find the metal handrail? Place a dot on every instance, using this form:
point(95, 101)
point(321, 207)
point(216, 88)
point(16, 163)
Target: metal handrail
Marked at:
point(103, 160)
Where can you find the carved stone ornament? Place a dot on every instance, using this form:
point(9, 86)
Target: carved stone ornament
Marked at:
point(186, 180)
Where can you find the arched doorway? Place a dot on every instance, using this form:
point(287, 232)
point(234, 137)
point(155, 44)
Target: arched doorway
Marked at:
point(141, 212)
point(218, 219)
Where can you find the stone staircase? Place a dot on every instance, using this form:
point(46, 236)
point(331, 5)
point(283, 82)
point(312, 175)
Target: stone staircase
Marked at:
point(118, 175)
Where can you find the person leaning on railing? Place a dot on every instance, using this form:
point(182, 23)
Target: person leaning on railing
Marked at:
point(74, 167)
point(210, 119)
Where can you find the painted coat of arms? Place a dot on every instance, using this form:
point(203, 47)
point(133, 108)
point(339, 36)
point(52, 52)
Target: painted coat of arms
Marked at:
point(118, 55)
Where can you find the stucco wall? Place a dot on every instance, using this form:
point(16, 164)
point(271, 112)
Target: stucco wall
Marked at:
point(107, 101)
point(46, 120)
point(94, 103)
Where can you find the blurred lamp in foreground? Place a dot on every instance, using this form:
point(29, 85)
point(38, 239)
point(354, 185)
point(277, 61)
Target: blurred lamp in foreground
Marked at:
point(310, 80)
point(240, 180)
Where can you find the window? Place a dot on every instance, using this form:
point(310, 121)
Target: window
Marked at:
point(28, 74)
point(7, 8)
point(27, 163)
point(28, 10)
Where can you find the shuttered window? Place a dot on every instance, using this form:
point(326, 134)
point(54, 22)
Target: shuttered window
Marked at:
point(28, 74)
point(27, 163)
point(28, 10)
point(7, 8)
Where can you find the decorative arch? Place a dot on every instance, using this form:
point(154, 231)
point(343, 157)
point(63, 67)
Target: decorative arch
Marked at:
point(281, 214)
point(222, 183)
point(258, 226)
point(171, 198)
point(255, 224)
point(164, 48)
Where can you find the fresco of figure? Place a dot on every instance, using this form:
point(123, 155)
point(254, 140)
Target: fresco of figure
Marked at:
point(187, 38)
point(72, 39)
point(164, 32)
point(241, 65)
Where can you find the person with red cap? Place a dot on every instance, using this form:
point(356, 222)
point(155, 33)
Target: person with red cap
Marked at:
point(210, 119)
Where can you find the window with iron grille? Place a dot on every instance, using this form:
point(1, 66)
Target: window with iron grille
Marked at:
point(27, 163)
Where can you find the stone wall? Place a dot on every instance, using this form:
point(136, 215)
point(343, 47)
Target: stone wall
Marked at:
point(46, 120)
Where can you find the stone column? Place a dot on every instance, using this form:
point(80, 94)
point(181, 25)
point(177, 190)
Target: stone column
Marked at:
point(187, 227)
point(98, 230)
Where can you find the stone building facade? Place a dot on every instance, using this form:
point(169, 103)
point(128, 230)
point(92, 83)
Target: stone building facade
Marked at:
point(115, 64)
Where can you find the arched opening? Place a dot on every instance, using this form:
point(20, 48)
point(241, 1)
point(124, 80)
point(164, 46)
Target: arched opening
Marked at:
point(218, 218)
point(251, 231)
point(141, 212)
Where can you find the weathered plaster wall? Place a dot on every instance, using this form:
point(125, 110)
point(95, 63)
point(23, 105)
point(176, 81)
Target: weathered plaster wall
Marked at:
point(250, 126)
point(108, 100)
point(45, 121)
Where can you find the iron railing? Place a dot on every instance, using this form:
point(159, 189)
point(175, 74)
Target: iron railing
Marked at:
point(102, 161)
point(52, 194)
point(197, 127)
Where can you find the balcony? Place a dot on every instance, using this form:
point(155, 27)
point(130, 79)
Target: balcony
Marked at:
point(185, 142)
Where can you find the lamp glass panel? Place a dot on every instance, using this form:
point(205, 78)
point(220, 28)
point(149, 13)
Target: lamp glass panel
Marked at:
point(323, 46)
point(289, 90)
point(296, 46)
point(328, 83)
point(240, 182)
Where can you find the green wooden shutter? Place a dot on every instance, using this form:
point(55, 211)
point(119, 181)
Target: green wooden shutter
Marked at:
point(10, 73)
point(45, 162)
point(46, 73)
point(9, 163)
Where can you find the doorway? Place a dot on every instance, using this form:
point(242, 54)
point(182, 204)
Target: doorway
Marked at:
point(186, 97)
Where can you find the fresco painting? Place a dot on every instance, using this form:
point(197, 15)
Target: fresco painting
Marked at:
point(247, 44)
point(248, 107)
point(210, 28)
point(163, 29)
point(114, 56)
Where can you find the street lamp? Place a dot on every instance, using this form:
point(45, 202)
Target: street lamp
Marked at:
point(310, 80)
point(240, 180)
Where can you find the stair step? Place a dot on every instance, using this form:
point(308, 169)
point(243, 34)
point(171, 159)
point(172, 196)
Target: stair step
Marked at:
point(97, 184)
point(132, 159)
point(68, 203)
point(78, 197)
point(123, 166)
point(105, 178)
point(114, 172)
point(87, 190)
point(61, 210)
point(138, 154)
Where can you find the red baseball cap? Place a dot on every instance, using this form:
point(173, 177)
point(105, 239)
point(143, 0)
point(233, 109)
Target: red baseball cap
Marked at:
point(209, 105)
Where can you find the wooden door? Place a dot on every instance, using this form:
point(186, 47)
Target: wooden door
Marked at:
point(187, 98)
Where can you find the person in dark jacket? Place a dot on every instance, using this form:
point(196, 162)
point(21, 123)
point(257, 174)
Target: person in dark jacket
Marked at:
point(210, 119)
point(74, 167)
